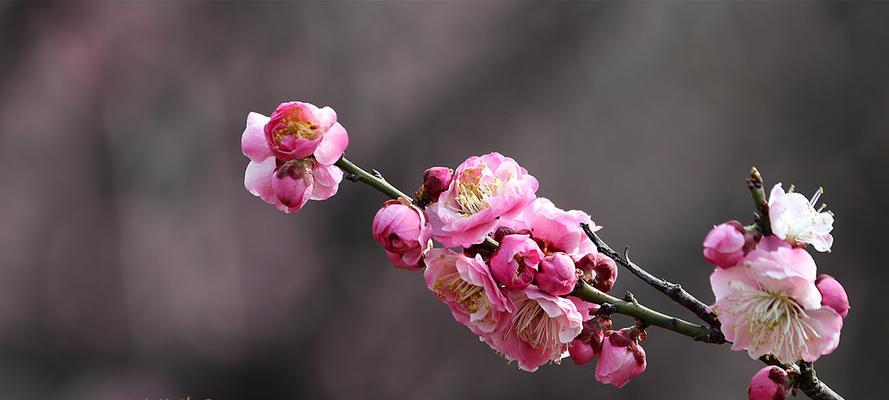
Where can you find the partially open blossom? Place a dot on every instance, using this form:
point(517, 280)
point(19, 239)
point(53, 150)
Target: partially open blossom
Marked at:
point(483, 190)
point(557, 274)
point(794, 218)
point(770, 383)
point(598, 270)
point(540, 329)
point(833, 294)
point(769, 304)
point(402, 230)
point(724, 244)
point(589, 343)
point(621, 359)
point(516, 261)
point(435, 181)
point(469, 290)
point(555, 229)
point(288, 183)
point(298, 130)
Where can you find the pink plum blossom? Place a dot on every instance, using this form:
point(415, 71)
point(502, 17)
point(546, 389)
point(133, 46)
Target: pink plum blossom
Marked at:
point(516, 261)
point(724, 244)
point(483, 190)
point(469, 290)
point(400, 227)
point(833, 294)
point(287, 183)
point(557, 274)
point(769, 383)
point(621, 359)
point(769, 304)
point(298, 130)
point(794, 218)
point(540, 329)
point(598, 270)
point(555, 229)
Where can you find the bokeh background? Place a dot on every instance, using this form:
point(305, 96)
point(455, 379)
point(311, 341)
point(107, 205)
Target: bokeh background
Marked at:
point(134, 265)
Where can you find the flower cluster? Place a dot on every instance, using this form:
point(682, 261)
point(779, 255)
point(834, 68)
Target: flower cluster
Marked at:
point(769, 297)
point(292, 155)
point(515, 295)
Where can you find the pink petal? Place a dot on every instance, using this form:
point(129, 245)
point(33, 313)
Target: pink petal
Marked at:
point(327, 181)
point(332, 145)
point(253, 142)
point(258, 179)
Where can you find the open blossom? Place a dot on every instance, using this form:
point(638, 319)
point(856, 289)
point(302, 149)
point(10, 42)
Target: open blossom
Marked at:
point(724, 244)
point(769, 303)
point(281, 178)
point(402, 230)
point(794, 218)
point(298, 130)
point(483, 190)
point(540, 329)
point(621, 359)
point(516, 261)
point(469, 290)
point(769, 383)
point(556, 230)
point(833, 294)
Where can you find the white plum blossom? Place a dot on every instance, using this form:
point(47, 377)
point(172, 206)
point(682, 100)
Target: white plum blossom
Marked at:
point(795, 219)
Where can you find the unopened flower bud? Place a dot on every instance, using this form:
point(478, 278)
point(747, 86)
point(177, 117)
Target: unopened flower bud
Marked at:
point(401, 229)
point(292, 185)
point(516, 261)
point(724, 245)
point(833, 294)
point(770, 383)
point(435, 181)
point(622, 358)
point(556, 275)
point(599, 270)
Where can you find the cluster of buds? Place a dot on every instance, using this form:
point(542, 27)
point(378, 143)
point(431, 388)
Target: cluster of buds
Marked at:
point(769, 297)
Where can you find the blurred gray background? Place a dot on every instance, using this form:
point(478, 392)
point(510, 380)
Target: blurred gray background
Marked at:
point(134, 265)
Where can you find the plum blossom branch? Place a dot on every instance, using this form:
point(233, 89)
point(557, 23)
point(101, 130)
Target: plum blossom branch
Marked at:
point(672, 290)
point(646, 315)
point(812, 387)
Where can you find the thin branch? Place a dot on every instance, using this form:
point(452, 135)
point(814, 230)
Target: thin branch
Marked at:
point(672, 290)
point(812, 387)
point(755, 184)
point(646, 315)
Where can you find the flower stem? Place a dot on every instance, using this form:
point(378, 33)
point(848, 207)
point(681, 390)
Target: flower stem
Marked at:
point(755, 184)
point(373, 180)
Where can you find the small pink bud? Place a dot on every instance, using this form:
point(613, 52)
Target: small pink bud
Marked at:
point(556, 275)
point(724, 244)
point(516, 261)
point(581, 352)
point(833, 294)
point(401, 229)
point(599, 270)
point(435, 181)
point(292, 185)
point(770, 383)
point(622, 358)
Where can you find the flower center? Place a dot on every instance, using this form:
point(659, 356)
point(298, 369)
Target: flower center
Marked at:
point(472, 194)
point(533, 326)
point(774, 320)
point(471, 297)
point(297, 129)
